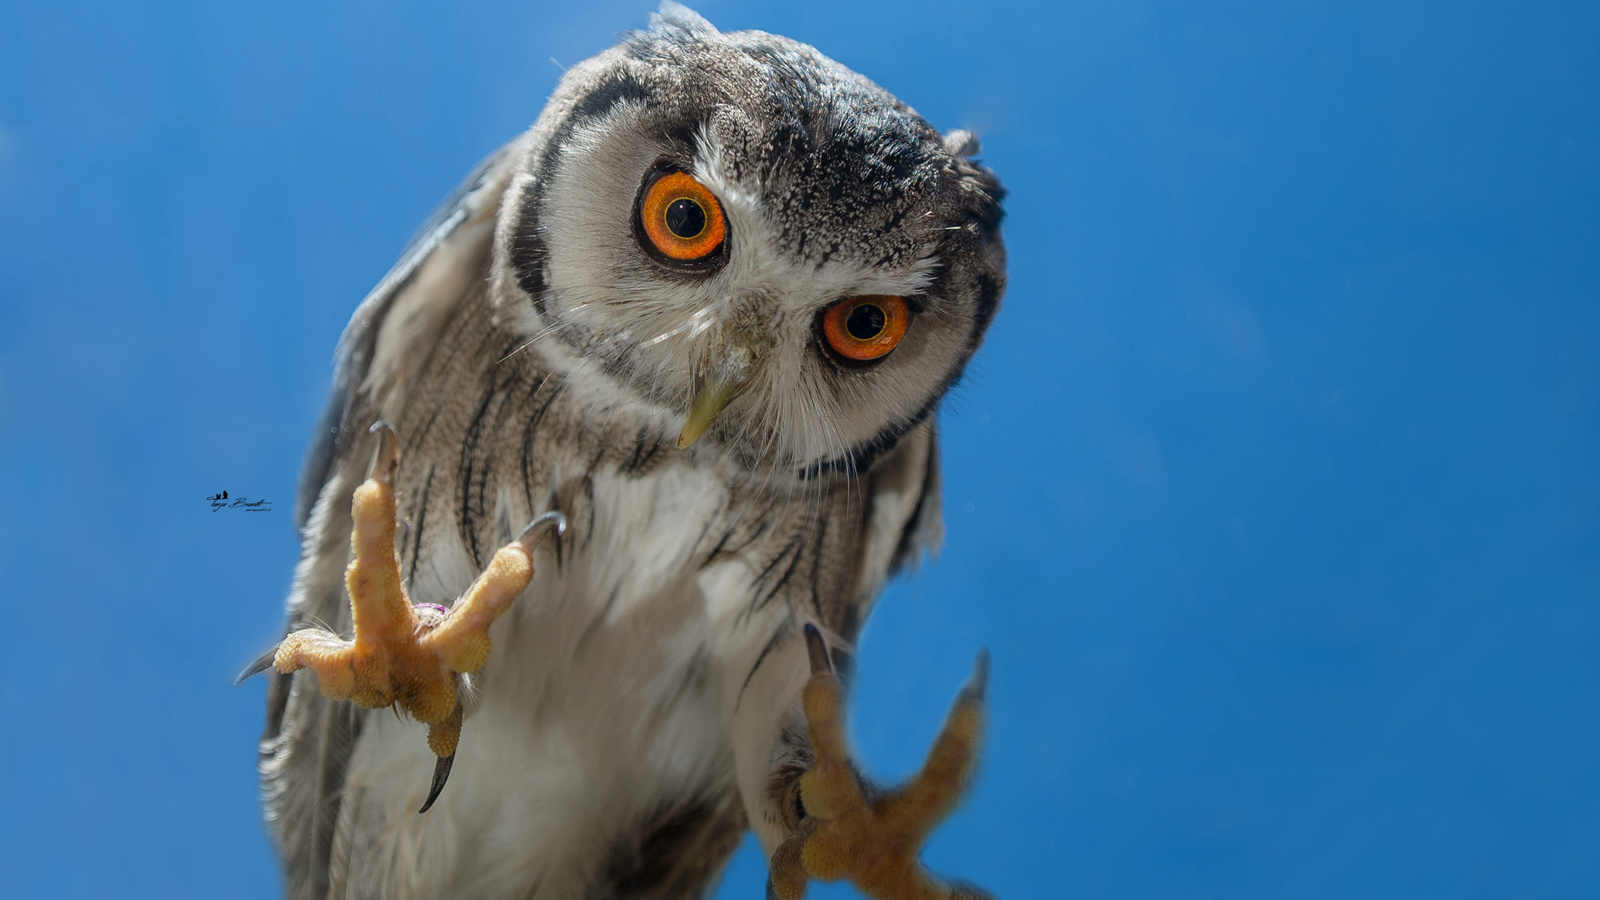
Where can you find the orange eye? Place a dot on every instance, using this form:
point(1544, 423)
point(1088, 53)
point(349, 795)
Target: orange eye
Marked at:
point(865, 328)
point(681, 218)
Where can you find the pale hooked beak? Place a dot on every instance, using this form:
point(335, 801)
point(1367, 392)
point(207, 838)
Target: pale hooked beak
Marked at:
point(716, 382)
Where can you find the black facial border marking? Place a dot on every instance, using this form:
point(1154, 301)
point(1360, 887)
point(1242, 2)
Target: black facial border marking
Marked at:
point(529, 255)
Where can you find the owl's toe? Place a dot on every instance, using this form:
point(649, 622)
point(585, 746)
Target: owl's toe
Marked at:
point(461, 640)
point(411, 656)
point(867, 837)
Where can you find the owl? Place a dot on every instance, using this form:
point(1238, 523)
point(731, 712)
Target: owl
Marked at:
point(694, 327)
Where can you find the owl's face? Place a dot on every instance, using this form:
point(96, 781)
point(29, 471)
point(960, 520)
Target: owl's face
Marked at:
point(748, 241)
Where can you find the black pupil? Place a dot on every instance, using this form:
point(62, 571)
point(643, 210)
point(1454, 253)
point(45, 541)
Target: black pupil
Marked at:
point(865, 322)
point(685, 218)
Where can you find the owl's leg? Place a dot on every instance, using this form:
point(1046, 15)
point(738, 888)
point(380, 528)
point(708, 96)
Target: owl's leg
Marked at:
point(870, 837)
point(400, 654)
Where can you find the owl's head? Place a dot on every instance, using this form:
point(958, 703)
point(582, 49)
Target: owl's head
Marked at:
point(764, 252)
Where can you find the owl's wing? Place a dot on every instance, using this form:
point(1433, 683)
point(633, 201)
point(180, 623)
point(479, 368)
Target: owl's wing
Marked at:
point(903, 520)
point(884, 522)
point(433, 274)
point(924, 531)
point(307, 739)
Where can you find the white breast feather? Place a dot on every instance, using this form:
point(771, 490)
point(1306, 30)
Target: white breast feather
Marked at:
point(585, 724)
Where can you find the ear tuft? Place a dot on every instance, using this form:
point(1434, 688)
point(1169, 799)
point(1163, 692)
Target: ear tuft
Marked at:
point(679, 19)
point(962, 143)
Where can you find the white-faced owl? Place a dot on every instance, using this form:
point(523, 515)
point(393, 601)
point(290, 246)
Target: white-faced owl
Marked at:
point(694, 325)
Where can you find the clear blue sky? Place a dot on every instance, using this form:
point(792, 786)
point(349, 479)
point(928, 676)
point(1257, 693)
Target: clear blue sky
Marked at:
point(1275, 491)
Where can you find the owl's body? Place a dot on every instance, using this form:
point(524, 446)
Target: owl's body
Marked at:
point(533, 352)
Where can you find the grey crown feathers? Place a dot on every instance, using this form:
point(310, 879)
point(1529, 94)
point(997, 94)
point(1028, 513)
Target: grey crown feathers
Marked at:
point(536, 349)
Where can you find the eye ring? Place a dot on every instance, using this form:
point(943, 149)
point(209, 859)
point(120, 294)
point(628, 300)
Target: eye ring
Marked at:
point(865, 328)
point(681, 219)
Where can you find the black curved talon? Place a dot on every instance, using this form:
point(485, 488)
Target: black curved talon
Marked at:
point(388, 461)
point(261, 664)
point(529, 540)
point(978, 686)
point(441, 774)
point(817, 650)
